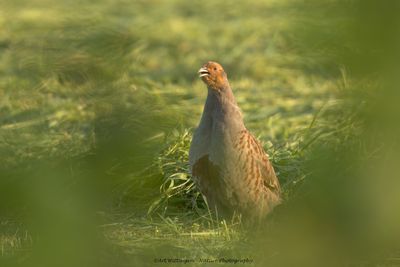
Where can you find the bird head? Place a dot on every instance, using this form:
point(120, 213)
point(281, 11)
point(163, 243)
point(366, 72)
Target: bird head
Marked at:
point(213, 75)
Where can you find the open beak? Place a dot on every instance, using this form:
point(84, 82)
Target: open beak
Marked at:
point(203, 72)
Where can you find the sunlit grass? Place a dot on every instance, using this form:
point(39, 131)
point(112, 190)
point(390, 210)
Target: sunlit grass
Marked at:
point(99, 100)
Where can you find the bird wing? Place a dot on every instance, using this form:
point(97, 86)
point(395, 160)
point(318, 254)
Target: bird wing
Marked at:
point(254, 163)
point(242, 178)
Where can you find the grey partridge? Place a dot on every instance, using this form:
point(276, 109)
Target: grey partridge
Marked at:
point(229, 165)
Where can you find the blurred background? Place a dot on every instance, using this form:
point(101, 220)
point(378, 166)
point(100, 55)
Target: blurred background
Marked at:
point(99, 99)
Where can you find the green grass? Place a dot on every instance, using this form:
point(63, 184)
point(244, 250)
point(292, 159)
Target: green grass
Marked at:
point(99, 100)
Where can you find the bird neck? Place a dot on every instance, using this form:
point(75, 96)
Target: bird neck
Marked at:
point(222, 96)
point(221, 106)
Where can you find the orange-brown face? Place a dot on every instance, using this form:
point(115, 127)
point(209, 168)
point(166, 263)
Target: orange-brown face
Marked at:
point(213, 75)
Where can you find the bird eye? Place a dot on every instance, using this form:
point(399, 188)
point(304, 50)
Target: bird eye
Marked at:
point(215, 68)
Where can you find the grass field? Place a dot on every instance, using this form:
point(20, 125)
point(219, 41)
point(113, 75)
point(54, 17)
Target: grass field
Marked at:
point(99, 99)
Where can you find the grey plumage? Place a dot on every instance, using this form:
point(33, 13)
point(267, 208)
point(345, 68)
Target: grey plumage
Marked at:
point(228, 164)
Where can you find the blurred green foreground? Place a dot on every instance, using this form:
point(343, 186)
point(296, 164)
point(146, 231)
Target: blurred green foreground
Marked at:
point(98, 100)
